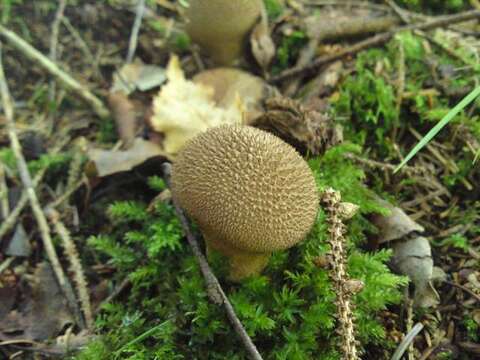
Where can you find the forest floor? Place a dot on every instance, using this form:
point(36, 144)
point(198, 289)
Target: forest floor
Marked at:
point(94, 262)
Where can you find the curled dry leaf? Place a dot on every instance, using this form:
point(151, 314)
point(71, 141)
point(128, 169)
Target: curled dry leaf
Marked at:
point(307, 130)
point(42, 314)
point(263, 47)
point(412, 255)
point(185, 108)
point(108, 162)
point(131, 77)
point(396, 225)
point(125, 116)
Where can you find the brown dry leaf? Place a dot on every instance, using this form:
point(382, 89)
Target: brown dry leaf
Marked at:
point(125, 116)
point(412, 254)
point(137, 76)
point(108, 162)
point(263, 47)
point(183, 109)
point(42, 314)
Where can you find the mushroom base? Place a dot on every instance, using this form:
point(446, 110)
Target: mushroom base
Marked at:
point(242, 264)
point(224, 53)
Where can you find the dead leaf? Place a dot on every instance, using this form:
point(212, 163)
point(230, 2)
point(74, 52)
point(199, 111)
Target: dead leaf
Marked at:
point(184, 109)
point(394, 226)
point(412, 254)
point(139, 76)
point(19, 244)
point(306, 130)
point(413, 258)
point(108, 162)
point(42, 314)
point(263, 47)
point(125, 116)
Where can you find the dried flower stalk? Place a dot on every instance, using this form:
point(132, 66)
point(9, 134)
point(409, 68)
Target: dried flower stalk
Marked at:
point(336, 213)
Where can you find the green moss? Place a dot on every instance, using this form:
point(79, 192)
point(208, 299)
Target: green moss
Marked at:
point(288, 50)
point(274, 8)
point(54, 163)
point(368, 100)
point(472, 327)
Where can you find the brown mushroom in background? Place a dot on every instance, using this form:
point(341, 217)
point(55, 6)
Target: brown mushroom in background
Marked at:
point(249, 192)
point(221, 27)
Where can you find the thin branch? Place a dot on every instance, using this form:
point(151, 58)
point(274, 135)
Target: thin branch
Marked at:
point(467, 290)
point(214, 289)
point(54, 41)
point(11, 220)
point(32, 196)
point(376, 40)
point(6, 264)
point(35, 55)
point(4, 204)
point(132, 44)
point(82, 45)
point(117, 291)
point(12, 217)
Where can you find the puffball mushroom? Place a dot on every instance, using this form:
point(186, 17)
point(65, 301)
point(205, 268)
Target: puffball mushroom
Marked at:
point(249, 192)
point(222, 26)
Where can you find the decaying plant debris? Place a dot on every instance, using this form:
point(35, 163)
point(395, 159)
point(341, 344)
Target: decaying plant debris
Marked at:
point(98, 261)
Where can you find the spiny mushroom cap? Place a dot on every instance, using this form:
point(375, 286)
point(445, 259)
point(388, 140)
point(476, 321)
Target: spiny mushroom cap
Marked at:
point(246, 187)
point(219, 23)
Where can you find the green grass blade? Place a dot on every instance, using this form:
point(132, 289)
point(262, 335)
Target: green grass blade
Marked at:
point(143, 336)
point(435, 130)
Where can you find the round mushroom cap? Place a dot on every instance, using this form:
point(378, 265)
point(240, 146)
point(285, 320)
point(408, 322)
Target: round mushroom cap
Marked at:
point(221, 25)
point(247, 187)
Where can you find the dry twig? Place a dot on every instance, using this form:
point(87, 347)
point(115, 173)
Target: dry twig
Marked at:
point(54, 69)
point(214, 289)
point(54, 41)
point(32, 196)
point(117, 291)
point(132, 44)
point(376, 40)
point(4, 205)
